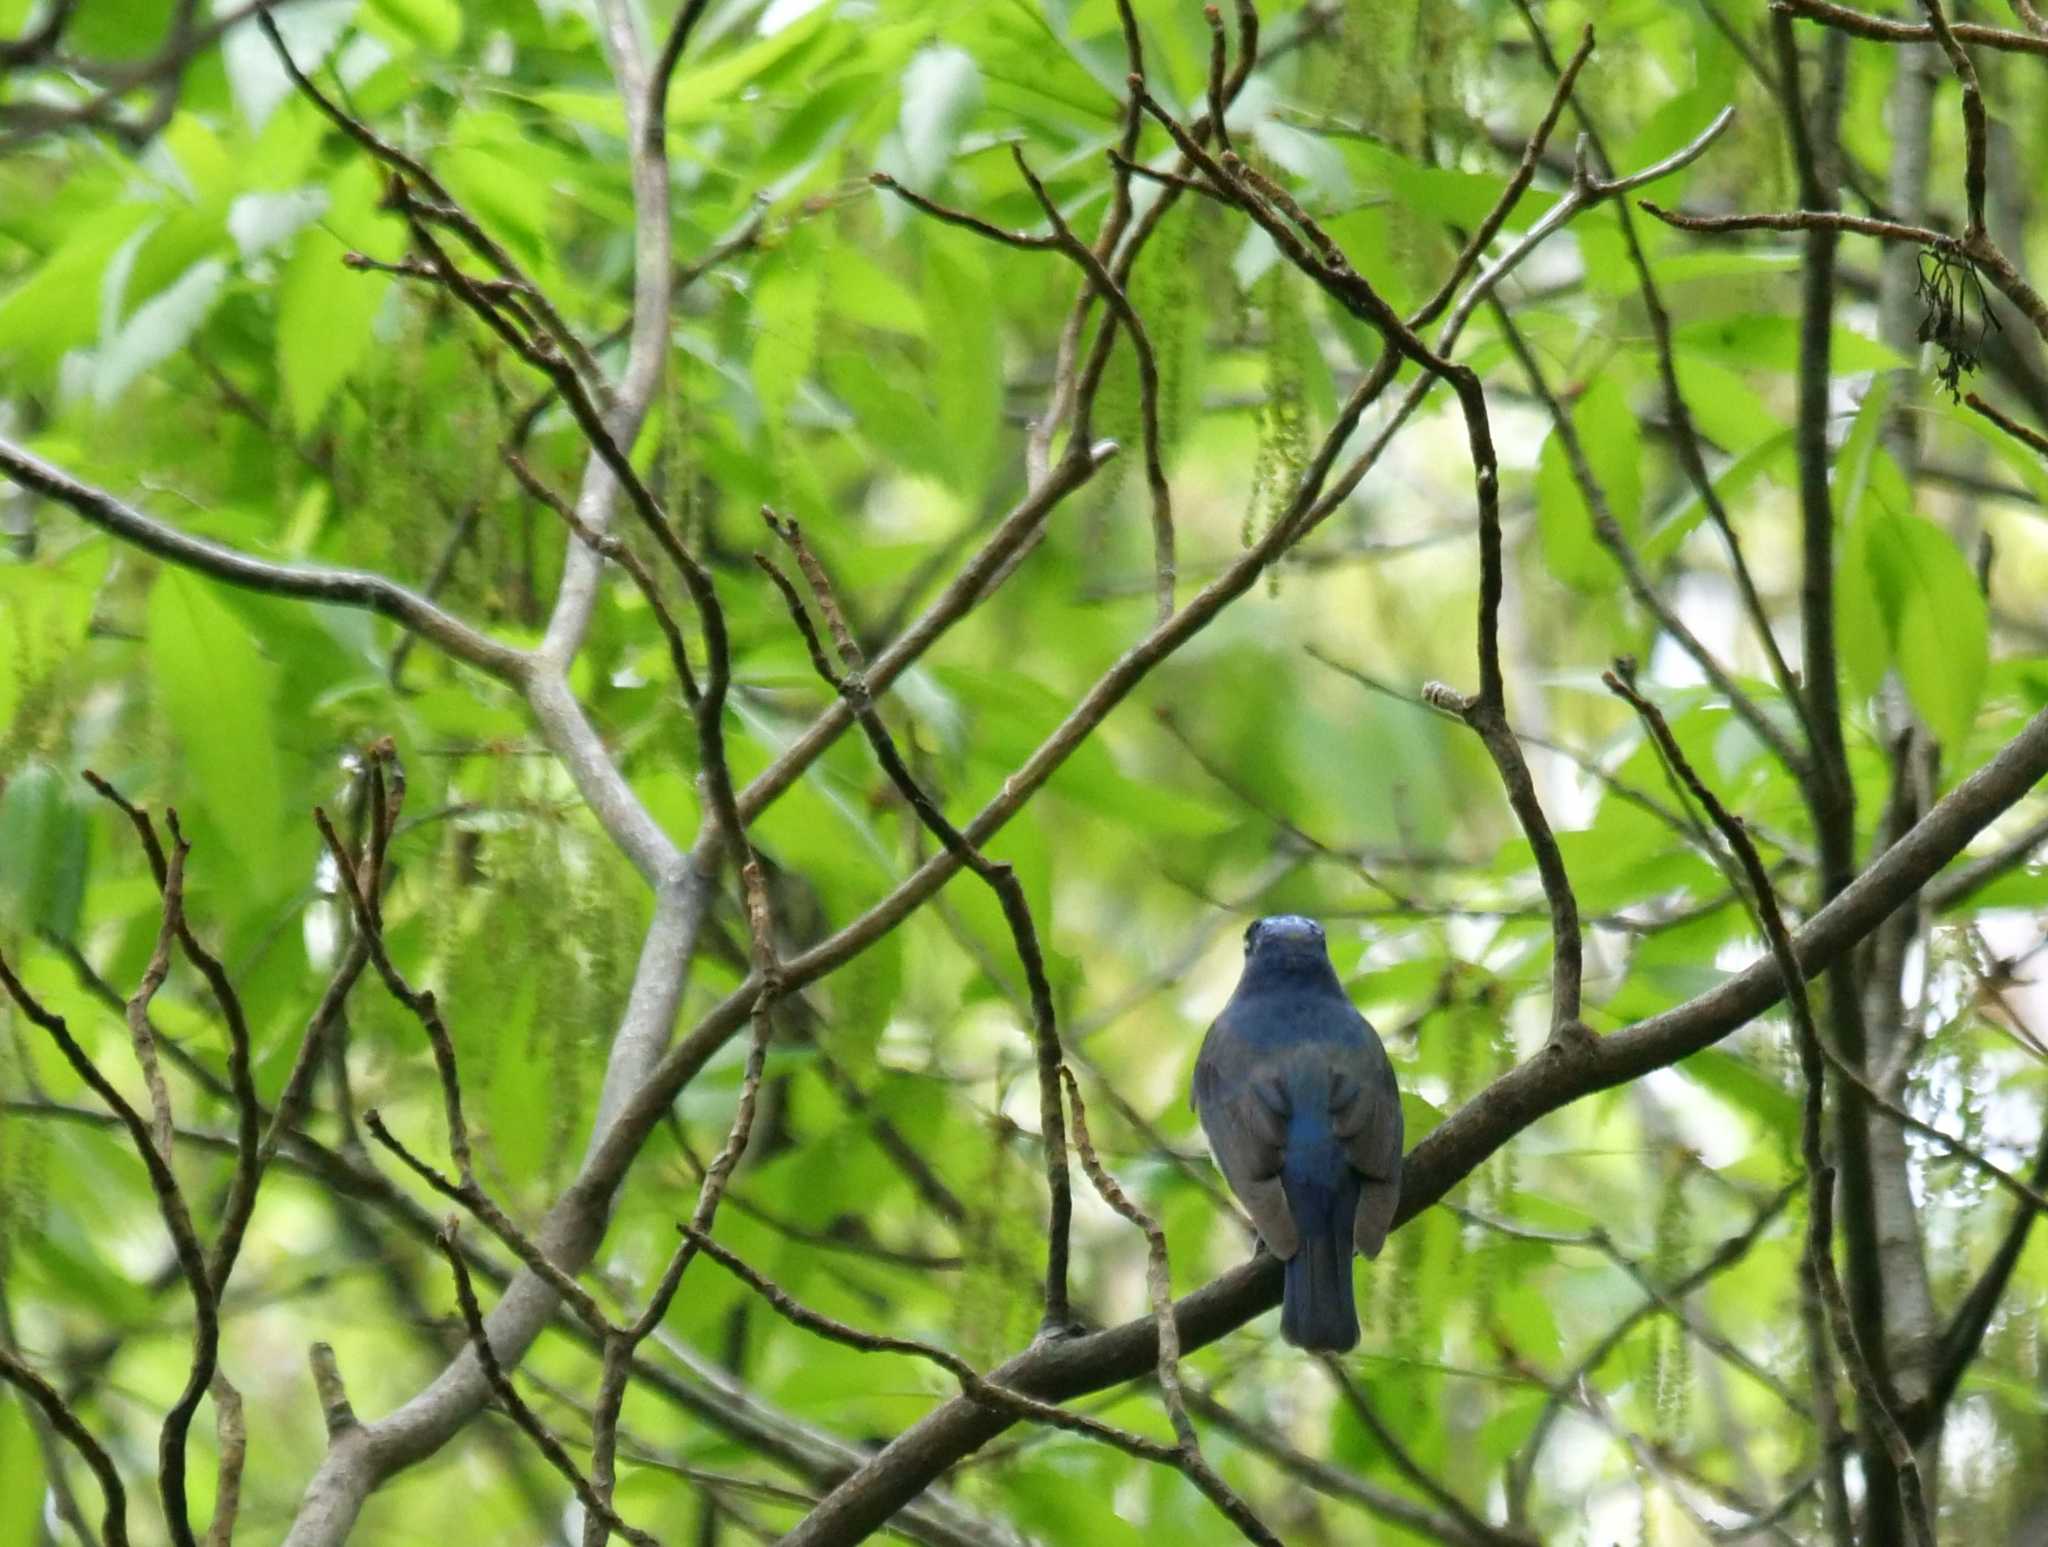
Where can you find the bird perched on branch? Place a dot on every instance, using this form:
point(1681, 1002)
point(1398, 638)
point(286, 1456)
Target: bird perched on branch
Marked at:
point(1303, 1116)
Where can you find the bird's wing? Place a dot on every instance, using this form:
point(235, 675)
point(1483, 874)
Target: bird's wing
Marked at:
point(1365, 1111)
point(1243, 1109)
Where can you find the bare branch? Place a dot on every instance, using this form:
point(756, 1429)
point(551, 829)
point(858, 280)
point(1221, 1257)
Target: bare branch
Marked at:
point(1064, 1368)
point(515, 1405)
point(851, 684)
point(191, 1258)
point(1979, 250)
point(962, 219)
point(1159, 1286)
point(1820, 1174)
point(1886, 30)
point(153, 976)
point(2031, 438)
point(233, 1438)
point(1976, 132)
point(1148, 378)
point(343, 587)
point(335, 1410)
point(114, 1515)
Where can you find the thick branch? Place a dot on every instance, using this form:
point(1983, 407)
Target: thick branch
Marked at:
point(1820, 1260)
point(1560, 1074)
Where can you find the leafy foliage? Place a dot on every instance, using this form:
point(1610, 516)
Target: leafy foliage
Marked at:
point(209, 320)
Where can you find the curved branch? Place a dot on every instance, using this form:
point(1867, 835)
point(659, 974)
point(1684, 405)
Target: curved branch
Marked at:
point(1562, 1073)
point(308, 582)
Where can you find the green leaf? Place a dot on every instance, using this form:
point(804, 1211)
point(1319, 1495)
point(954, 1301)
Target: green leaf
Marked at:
point(894, 420)
point(1441, 194)
point(785, 331)
point(217, 690)
point(1867, 490)
point(157, 330)
point(1944, 631)
point(1770, 341)
point(1724, 407)
point(57, 306)
point(1865, 476)
point(1909, 573)
point(966, 383)
point(44, 844)
point(941, 91)
point(1863, 627)
point(21, 1463)
point(862, 291)
point(1313, 159)
point(430, 24)
point(1738, 1082)
point(261, 221)
point(1732, 485)
point(1612, 444)
point(325, 310)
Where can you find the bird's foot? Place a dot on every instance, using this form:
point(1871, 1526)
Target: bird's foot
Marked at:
point(1057, 1329)
point(1570, 1037)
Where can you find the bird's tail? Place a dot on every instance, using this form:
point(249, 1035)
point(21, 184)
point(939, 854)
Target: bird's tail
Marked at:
point(1316, 1307)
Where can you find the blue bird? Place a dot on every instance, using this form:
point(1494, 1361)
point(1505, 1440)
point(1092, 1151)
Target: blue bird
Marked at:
point(1303, 1116)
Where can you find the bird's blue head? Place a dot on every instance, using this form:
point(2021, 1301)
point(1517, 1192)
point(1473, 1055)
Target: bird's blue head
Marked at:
point(1286, 946)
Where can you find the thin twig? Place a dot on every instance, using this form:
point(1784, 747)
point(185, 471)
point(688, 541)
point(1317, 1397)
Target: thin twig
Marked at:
point(1518, 182)
point(849, 681)
point(1159, 1288)
point(515, 1405)
point(1976, 132)
point(620, 554)
point(962, 219)
point(184, 1239)
point(1820, 1174)
point(114, 1498)
point(1148, 380)
point(137, 1009)
point(1885, 29)
point(443, 208)
point(2026, 435)
point(233, 1438)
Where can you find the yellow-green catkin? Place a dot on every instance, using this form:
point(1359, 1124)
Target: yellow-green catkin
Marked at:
point(599, 952)
point(1499, 1180)
point(1508, 1157)
point(1401, 1305)
point(1282, 454)
point(1671, 1356)
point(1162, 294)
point(24, 1151)
point(1004, 1237)
point(678, 467)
